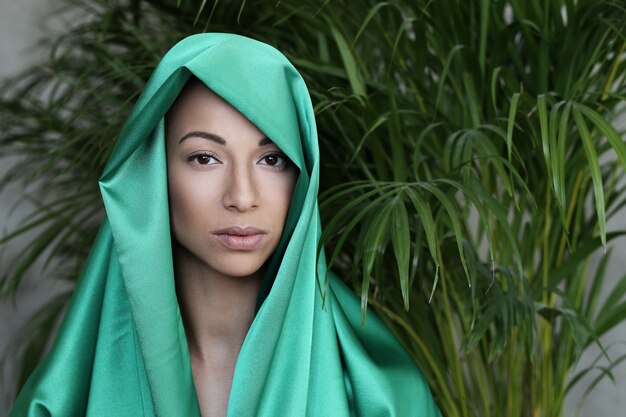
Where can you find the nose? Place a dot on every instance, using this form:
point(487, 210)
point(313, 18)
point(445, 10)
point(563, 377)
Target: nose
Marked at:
point(240, 193)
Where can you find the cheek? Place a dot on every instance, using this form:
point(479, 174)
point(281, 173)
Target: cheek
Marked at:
point(189, 201)
point(179, 206)
point(282, 191)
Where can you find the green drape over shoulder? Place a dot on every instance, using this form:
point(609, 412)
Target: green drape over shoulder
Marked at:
point(122, 351)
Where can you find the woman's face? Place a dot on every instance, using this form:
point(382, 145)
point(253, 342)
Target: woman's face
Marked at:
point(229, 185)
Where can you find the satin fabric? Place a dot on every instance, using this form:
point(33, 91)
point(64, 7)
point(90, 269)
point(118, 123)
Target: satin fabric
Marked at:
point(121, 349)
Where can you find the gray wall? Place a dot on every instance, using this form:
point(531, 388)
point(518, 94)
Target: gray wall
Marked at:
point(21, 26)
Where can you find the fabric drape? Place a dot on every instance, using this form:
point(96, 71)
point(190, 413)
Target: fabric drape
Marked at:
point(121, 349)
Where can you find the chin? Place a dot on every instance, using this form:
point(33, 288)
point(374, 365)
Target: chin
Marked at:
point(237, 264)
point(226, 263)
point(240, 270)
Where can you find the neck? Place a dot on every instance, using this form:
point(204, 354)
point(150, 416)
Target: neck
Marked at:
point(217, 309)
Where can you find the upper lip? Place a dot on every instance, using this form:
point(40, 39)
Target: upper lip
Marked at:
point(239, 231)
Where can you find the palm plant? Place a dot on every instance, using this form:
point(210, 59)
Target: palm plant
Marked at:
point(471, 162)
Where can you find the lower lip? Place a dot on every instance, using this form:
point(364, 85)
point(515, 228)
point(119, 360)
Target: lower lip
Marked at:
point(242, 243)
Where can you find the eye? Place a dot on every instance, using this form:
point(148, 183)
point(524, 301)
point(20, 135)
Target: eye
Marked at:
point(203, 158)
point(272, 159)
point(275, 160)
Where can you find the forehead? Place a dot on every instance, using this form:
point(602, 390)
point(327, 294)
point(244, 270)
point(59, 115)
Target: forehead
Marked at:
point(197, 107)
point(196, 99)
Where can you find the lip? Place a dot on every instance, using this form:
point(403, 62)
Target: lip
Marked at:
point(240, 238)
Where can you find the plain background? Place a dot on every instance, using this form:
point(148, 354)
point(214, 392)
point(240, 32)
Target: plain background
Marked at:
point(22, 25)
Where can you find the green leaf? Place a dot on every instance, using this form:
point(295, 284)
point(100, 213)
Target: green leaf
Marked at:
point(400, 240)
point(614, 311)
point(484, 30)
point(559, 159)
point(379, 121)
point(200, 9)
point(607, 130)
point(371, 247)
point(370, 15)
point(349, 63)
point(444, 73)
point(449, 207)
point(594, 171)
point(511, 123)
point(542, 111)
point(427, 221)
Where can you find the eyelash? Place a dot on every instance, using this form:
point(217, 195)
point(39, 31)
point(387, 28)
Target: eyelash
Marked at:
point(277, 167)
point(194, 157)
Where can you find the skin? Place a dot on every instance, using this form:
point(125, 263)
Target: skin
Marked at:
point(222, 172)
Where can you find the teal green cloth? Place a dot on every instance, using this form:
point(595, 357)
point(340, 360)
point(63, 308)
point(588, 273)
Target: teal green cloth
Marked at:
point(121, 349)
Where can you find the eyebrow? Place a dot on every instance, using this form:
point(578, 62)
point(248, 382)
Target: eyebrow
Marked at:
point(204, 135)
point(218, 139)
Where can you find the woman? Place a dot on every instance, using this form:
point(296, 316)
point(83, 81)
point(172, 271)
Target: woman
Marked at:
point(200, 293)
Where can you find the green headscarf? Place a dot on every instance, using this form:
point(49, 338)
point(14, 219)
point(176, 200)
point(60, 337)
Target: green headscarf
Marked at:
point(122, 351)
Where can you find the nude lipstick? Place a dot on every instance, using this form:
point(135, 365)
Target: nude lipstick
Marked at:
point(240, 238)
